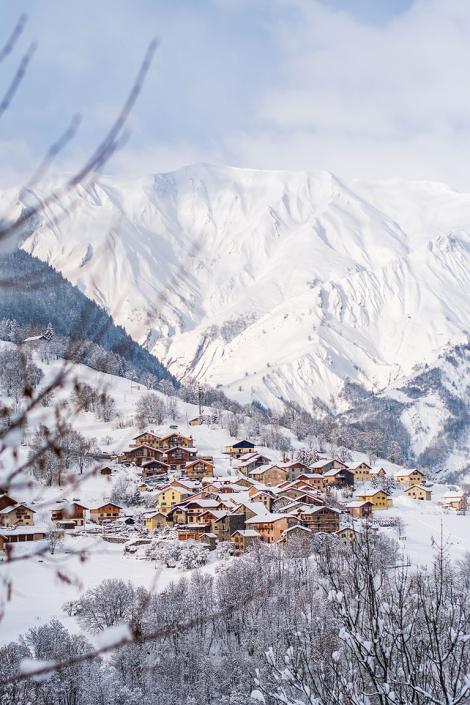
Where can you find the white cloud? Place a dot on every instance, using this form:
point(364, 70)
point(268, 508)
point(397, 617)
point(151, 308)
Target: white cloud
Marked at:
point(364, 100)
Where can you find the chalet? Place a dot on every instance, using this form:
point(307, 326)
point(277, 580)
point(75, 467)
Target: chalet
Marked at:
point(378, 472)
point(146, 438)
point(225, 525)
point(195, 532)
point(171, 440)
point(177, 457)
point(7, 501)
point(311, 498)
point(154, 468)
point(270, 475)
point(20, 534)
point(140, 454)
point(313, 479)
point(270, 527)
point(418, 492)
point(379, 498)
point(297, 533)
point(170, 496)
point(294, 469)
point(199, 468)
point(455, 499)
point(155, 520)
point(339, 477)
point(361, 472)
point(196, 421)
point(73, 512)
point(347, 534)
point(409, 477)
point(265, 497)
point(324, 464)
point(243, 539)
point(17, 515)
point(240, 448)
point(250, 461)
point(105, 470)
point(325, 519)
point(105, 511)
point(359, 509)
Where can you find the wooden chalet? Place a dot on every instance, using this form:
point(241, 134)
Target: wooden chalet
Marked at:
point(177, 457)
point(250, 461)
point(6, 501)
point(148, 438)
point(73, 512)
point(325, 519)
point(359, 509)
point(339, 477)
point(17, 515)
point(109, 510)
point(243, 539)
point(324, 464)
point(362, 472)
point(196, 421)
point(193, 532)
point(409, 477)
point(270, 475)
point(171, 440)
point(140, 454)
point(347, 534)
point(270, 527)
point(418, 492)
point(455, 499)
point(21, 534)
point(199, 468)
point(106, 470)
point(297, 534)
point(154, 468)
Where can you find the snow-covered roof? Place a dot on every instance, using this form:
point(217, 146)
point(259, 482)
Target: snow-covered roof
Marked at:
point(314, 510)
point(297, 527)
point(404, 472)
point(7, 510)
point(369, 490)
point(267, 518)
point(247, 533)
point(357, 504)
point(320, 463)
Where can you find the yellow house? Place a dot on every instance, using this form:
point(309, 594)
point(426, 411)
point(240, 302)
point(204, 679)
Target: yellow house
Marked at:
point(409, 477)
point(361, 472)
point(238, 449)
point(17, 515)
point(380, 499)
point(170, 497)
point(418, 492)
point(154, 520)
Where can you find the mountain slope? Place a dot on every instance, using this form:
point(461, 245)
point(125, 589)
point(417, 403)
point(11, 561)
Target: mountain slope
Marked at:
point(272, 284)
point(33, 295)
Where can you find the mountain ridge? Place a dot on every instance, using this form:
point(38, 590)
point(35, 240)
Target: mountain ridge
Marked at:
point(281, 283)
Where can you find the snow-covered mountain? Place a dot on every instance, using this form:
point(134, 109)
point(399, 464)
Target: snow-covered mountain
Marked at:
point(272, 284)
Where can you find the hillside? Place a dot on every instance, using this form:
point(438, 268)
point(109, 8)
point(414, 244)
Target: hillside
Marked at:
point(34, 295)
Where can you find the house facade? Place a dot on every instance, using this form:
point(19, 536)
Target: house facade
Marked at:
point(105, 511)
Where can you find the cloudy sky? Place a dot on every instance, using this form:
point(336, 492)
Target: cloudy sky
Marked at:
point(366, 88)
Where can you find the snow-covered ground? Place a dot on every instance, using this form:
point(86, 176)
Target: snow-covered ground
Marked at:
point(38, 593)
